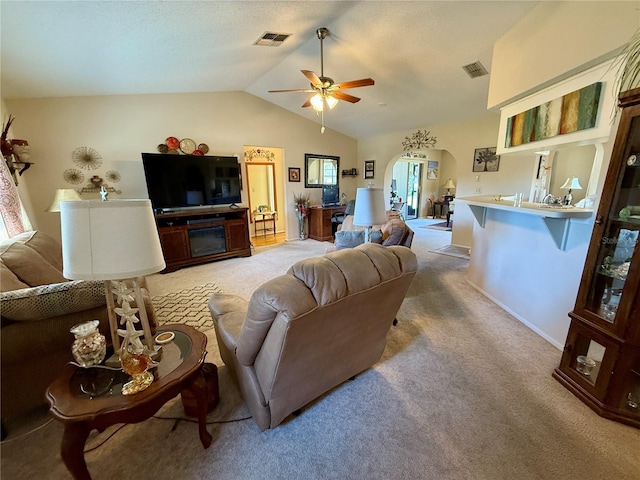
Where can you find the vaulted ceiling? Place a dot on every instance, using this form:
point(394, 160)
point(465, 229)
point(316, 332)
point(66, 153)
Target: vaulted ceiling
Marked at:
point(413, 50)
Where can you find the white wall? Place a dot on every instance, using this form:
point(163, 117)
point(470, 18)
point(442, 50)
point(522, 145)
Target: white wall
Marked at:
point(555, 41)
point(121, 127)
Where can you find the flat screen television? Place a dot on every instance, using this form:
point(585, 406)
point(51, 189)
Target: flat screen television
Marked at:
point(191, 181)
point(330, 196)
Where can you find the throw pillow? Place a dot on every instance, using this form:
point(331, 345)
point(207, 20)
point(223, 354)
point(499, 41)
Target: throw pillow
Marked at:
point(349, 239)
point(49, 301)
point(396, 236)
point(376, 236)
point(29, 266)
point(46, 246)
point(8, 280)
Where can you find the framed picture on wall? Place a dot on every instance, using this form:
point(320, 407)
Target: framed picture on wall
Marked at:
point(294, 174)
point(432, 169)
point(486, 160)
point(369, 168)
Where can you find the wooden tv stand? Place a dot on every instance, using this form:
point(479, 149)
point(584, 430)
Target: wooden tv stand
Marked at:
point(191, 237)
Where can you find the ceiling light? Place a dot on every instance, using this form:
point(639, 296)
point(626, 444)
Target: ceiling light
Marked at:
point(331, 101)
point(316, 102)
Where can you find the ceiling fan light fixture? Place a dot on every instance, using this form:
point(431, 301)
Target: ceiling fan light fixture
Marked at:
point(317, 103)
point(331, 101)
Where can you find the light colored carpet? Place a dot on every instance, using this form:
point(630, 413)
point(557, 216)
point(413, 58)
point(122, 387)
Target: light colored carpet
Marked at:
point(463, 391)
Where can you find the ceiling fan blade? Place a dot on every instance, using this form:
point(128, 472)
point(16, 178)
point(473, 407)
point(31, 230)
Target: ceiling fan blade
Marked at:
point(297, 90)
point(345, 96)
point(307, 103)
point(363, 82)
point(312, 77)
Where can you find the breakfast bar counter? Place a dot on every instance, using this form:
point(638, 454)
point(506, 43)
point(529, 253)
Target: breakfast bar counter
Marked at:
point(555, 218)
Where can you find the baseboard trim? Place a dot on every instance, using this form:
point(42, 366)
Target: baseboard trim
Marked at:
point(518, 317)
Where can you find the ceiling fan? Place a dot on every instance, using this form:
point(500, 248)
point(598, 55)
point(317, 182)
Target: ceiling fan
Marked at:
point(325, 91)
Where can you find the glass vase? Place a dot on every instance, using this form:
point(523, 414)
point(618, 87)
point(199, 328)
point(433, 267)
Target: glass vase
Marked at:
point(135, 362)
point(90, 346)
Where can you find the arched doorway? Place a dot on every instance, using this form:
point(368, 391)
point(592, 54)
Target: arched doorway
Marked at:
point(419, 177)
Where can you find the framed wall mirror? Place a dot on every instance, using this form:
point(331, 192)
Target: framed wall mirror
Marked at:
point(261, 186)
point(320, 170)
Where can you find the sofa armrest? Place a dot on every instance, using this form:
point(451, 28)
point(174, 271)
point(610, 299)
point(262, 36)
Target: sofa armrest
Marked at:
point(54, 300)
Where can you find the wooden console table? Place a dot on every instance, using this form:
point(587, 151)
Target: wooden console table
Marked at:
point(320, 222)
point(266, 221)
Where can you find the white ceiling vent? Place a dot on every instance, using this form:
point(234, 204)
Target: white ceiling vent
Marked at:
point(271, 39)
point(475, 70)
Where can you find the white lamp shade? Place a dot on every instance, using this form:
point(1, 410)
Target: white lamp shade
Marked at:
point(109, 240)
point(572, 183)
point(370, 208)
point(449, 184)
point(63, 195)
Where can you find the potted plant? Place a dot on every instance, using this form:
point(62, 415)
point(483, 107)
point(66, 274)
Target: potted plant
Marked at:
point(628, 76)
point(301, 201)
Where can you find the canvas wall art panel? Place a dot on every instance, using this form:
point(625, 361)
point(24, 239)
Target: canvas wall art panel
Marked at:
point(570, 113)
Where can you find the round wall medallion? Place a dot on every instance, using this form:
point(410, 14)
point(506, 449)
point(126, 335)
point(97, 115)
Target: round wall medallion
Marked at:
point(172, 143)
point(187, 146)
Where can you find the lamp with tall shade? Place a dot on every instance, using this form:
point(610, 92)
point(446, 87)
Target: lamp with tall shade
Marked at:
point(572, 183)
point(63, 195)
point(116, 241)
point(449, 185)
point(369, 209)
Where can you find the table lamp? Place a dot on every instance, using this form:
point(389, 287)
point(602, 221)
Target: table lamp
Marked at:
point(369, 210)
point(449, 185)
point(63, 195)
point(572, 183)
point(116, 241)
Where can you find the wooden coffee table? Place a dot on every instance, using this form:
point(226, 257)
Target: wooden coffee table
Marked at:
point(84, 399)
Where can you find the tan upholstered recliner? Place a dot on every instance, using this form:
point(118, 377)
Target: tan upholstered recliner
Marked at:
point(307, 331)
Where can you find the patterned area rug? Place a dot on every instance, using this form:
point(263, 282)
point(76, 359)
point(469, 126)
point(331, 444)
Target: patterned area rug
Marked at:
point(186, 306)
point(440, 226)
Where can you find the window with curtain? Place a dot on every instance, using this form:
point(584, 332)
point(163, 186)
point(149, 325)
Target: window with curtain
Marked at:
point(13, 217)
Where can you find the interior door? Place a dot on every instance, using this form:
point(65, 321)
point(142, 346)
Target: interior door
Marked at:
point(414, 188)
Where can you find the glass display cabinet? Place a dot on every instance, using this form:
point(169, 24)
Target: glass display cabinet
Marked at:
point(601, 359)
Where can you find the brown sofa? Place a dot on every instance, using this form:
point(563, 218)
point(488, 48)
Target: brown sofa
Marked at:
point(307, 331)
point(38, 306)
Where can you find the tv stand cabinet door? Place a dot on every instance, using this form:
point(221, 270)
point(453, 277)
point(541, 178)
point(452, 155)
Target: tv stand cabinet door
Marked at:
point(237, 235)
point(175, 245)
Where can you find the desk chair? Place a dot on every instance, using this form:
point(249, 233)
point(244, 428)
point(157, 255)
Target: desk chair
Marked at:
point(338, 217)
point(399, 207)
point(450, 211)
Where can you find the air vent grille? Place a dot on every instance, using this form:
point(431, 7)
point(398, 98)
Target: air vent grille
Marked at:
point(475, 70)
point(271, 39)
